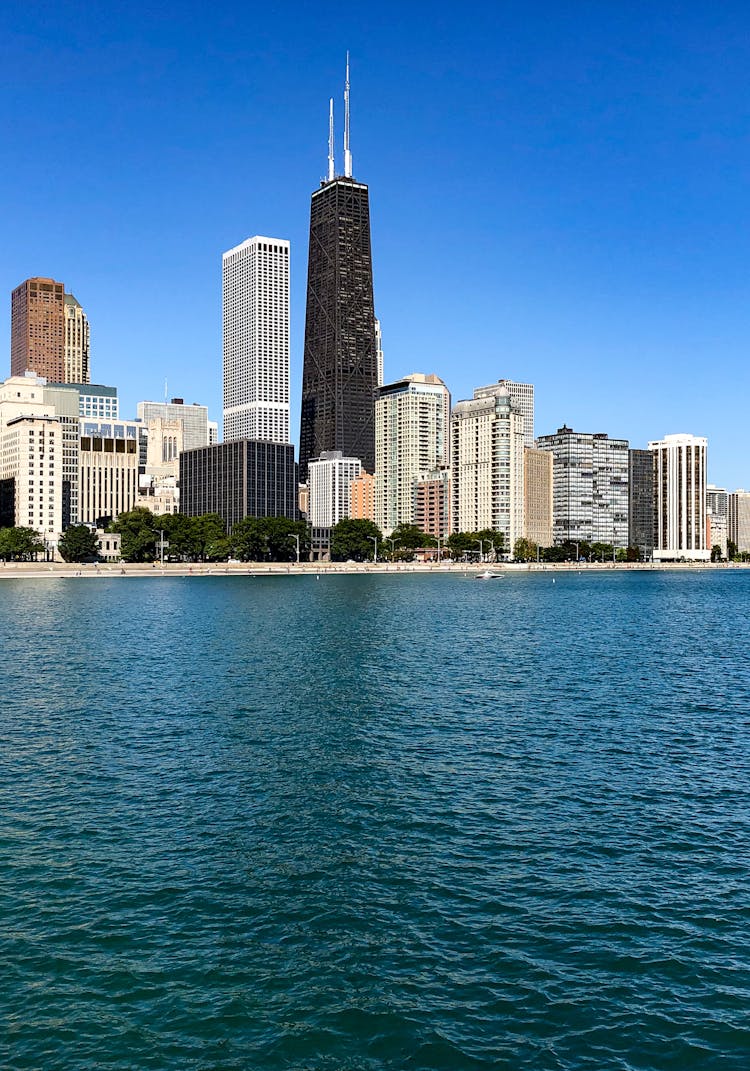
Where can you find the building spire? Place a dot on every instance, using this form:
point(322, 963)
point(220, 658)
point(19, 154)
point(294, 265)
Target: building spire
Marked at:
point(347, 153)
point(331, 164)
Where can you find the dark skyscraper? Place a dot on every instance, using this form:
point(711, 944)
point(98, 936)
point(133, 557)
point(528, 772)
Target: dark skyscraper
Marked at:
point(340, 361)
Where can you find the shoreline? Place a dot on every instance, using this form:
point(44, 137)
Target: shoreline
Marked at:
point(74, 571)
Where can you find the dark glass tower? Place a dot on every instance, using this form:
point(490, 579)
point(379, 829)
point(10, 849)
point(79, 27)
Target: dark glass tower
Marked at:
point(340, 364)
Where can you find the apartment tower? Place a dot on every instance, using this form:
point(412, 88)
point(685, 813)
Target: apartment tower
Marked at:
point(37, 329)
point(680, 498)
point(340, 368)
point(255, 296)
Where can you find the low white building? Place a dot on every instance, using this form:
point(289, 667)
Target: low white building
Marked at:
point(329, 478)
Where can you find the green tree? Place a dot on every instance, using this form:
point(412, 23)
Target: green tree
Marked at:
point(79, 544)
point(524, 550)
point(410, 537)
point(731, 550)
point(19, 544)
point(353, 540)
point(716, 555)
point(139, 533)
point(602, 552)
point(460, 544)
point(209, 537)
point(258, 539)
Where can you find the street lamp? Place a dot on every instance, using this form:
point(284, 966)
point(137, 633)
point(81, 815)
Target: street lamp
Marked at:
point(393, 545)
point(295, 537)
point(481, 548)
point(161, 547)
point(374, 539)
point(439, 540)
point(576, 545)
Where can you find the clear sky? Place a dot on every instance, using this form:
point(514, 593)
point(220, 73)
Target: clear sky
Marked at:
point(559, 192)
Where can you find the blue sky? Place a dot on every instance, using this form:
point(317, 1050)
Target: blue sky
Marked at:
point(559, 192)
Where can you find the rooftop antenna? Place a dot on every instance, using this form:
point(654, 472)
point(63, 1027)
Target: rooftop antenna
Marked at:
point(347, 153)
point(331, 165)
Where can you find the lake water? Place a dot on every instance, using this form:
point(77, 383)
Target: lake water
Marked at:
point(370, 822)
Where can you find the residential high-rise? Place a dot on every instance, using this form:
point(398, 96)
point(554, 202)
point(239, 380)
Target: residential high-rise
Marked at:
point(77, 342)
point(641, 501)
point(340, 368)
point(537, 495)
point(255, 295)
point(37, 329)
point(590, 487)
point(522, 396)
point(739, 519)
point(680, 497)
point(330, 478)
point(487, 466)
point(717, 507)
point(108, 474)
point(411, 437)
point(379, 352)
point(432, 502)
point(362, 492)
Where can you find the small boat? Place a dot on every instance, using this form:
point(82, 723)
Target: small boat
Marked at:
point(488, 575)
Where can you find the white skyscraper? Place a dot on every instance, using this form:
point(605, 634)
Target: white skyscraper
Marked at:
point(330, 479)
point(255, 289)
point(680, 497)
point(522, 396)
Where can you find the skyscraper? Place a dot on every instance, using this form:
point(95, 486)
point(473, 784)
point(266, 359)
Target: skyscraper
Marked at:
point(340, 373)
point(255, 291)
point(37, 329)
point(77, 342)
point(680, 498)
point(522, 396)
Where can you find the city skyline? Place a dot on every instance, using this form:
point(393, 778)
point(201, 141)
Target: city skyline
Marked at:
point(604, 248)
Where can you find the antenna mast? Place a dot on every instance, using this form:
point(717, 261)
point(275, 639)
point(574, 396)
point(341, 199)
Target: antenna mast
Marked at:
point(347, 153)
point(331, 165)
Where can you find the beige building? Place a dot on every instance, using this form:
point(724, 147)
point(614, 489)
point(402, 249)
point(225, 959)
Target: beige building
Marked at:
point(487, 466)
point(158, 487)
point(108, 473)
point(31, 459)
point(739, 519)
point(77, 342)
point(537, 496)
point(411, 437)
point(363, 497)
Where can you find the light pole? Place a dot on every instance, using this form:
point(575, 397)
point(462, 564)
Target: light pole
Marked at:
point(295, 537)
point(161, 547)
point(393, 545)
point(439, 540)
point(374, 539)
point(576, 545)
point(481, 548)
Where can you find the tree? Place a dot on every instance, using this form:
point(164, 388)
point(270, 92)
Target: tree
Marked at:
point(19, 544)
point(716, 555)
point(209, 536)
point(410, 537)
point(79, 544)
point(460, 543)
point(602, 552)
point(524, 550)
point(139, 534)
point(496, 540)
point(731, 550)
point(353, 539)
point(257, 539)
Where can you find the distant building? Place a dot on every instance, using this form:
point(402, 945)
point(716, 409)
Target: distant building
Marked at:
point(37, 329)
point(412, 435)
point(108, 472)
point(363, 497)
point(330, 478)
point(590, 487)
point(240, 478)
point(537, 496)
point(717, 507)
point(739, 519)
point(641, 501)
point(66, 402)
point(522, 396)
point(255, 297)
point(77, 342)
point(95, 402)
point(680, 497)
point(432, 502)
point(158, 479)
point(194, 418)
point(487, 466)
point(379, 351)
point(31, 460)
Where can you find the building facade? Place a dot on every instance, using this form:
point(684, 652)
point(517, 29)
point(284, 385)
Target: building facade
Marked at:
point(537, 495)
point(522, 396)
point(641, 501)
point(31, 460)
point(739, 519)
point(66, 403)
point(432, 502)
point(255, 322)
point(487, 466)
point(37, 329)
point(363, 497)
point(330, 479)
point(412, 436)
point(196, 427)
point(240, 478)
point(589, 487)
point(680, 498)
point(77, 368)
point(717, 507)
point(108, 472)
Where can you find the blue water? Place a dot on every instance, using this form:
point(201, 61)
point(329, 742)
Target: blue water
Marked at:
point(375, 822)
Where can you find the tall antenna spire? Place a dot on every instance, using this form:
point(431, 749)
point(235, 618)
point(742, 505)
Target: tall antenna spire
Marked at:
point(347, 153)
point(331, 164)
